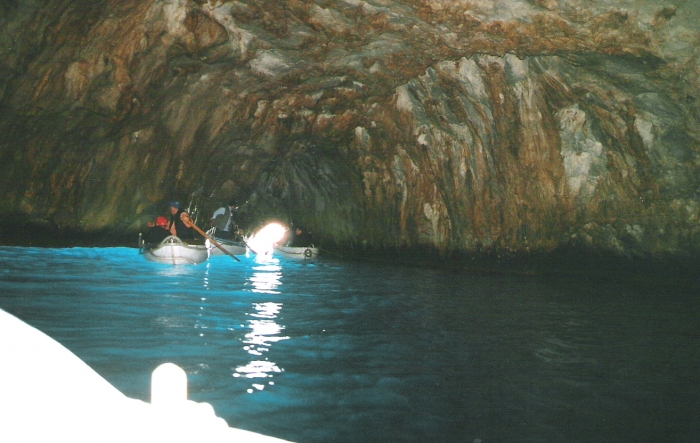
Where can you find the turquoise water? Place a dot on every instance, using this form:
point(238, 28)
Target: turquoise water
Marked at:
point(333, 351)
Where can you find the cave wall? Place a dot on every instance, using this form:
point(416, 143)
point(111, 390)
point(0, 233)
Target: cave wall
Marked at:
point(518, 153)
point(507, 126)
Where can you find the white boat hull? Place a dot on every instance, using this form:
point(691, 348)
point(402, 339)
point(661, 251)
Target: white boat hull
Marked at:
point(174, 251)
point(304, 253)
point(233, 247)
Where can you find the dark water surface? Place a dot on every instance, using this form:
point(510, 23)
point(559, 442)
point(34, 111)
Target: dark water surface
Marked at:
point(337, 351)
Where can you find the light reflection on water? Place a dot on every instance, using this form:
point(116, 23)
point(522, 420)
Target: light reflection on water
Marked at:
point(267, 275)
point(174, 271)
point(264, 331)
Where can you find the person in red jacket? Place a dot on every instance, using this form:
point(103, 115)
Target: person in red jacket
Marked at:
point(158, 231)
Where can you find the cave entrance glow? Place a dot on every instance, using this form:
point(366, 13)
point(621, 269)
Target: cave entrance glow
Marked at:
point(262, 241)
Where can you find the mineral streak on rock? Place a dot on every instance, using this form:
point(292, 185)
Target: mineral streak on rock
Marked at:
point(452, 125)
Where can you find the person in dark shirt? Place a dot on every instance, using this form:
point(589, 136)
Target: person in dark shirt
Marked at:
point(301, 239)
point(180, 223)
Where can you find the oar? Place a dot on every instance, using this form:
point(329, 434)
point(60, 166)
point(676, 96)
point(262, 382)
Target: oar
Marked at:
point(216, 243)
point(246, 245)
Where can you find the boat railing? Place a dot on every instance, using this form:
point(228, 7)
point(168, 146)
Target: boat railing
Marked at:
point(171, 239)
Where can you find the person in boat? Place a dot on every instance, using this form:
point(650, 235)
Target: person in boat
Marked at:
point(222, 220)
point(157, 232)
point(301, 238)
point(180, 223)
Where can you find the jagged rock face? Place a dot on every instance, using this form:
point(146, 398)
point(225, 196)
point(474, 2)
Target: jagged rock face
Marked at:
point(453, 125)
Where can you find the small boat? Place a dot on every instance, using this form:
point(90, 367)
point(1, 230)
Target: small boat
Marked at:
point(303, 252)
point(233, 247)
point(174, 251)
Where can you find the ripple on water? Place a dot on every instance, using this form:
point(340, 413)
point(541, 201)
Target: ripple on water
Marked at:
point(348, 352)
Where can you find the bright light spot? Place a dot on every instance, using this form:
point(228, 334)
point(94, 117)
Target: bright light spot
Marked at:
point(168, 385)
point(263, 240)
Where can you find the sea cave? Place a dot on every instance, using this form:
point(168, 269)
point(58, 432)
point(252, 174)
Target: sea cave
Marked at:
point(442, 128)
point(505, 195)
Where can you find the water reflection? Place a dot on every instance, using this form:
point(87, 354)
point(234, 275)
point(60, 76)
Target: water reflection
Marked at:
point(205, 282)
point(168, 270)
point(264, 330)
point(267, 275)
point(257, 369)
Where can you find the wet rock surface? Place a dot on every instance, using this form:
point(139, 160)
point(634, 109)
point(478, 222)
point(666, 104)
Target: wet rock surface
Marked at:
point(449, 126)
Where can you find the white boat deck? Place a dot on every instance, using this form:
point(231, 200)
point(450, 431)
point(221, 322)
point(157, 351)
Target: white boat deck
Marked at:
point(47, 394)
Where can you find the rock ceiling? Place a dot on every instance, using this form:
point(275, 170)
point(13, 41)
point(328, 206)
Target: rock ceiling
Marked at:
point(452, 125)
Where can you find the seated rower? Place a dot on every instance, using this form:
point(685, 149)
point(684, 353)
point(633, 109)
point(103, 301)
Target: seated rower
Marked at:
point(180, 223)
point(301, 238)
point(157, 232)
